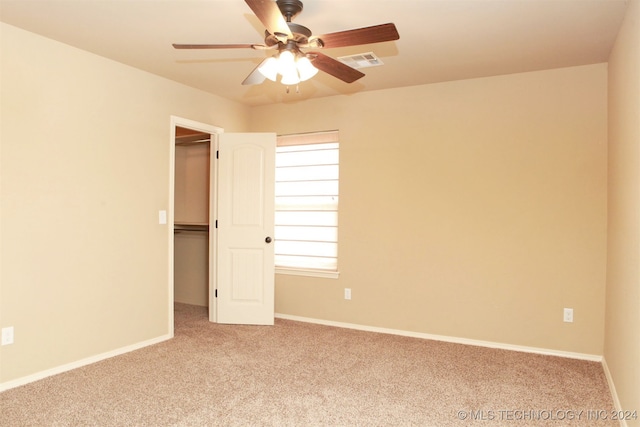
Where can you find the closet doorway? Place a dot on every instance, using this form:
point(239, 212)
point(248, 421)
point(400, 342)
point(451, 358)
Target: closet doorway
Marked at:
point(194, 197)
point(222, 222)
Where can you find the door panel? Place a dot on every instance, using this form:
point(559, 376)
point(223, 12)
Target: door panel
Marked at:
point(245, 260)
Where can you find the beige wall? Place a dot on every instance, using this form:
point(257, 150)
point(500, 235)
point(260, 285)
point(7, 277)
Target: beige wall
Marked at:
point(191, 268)
point(622, 332)
point(192, 183)
point(473, 209)
point(84, 171)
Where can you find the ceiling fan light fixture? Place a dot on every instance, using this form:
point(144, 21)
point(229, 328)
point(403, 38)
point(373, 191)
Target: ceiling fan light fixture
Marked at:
point(286, 62)
point(306, 70)
point(269, 69)
point(293, 67)
point(290, 78)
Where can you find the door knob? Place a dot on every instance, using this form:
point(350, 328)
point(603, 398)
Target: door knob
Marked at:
point(268, 239)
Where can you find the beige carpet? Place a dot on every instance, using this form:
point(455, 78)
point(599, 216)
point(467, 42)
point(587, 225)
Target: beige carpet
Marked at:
point(298, 374)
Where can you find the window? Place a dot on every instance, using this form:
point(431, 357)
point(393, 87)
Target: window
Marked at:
point(306, 217)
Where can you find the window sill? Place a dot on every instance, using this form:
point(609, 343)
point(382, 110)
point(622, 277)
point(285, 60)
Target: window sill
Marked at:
point(308, 273)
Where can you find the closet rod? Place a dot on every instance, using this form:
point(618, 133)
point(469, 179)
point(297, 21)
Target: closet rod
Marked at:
point(190, 227)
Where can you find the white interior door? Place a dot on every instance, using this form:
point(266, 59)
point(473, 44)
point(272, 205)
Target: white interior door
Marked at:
point(245, 249)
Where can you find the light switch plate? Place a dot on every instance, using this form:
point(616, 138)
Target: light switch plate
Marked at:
point(162, 217)
point(7, 335)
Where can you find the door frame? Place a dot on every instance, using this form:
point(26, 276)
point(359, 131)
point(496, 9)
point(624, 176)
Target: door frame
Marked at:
point(214, 131)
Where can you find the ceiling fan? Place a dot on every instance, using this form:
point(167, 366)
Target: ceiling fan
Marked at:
point(291, 62)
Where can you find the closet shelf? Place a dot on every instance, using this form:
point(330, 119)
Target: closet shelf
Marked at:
point(201, 138)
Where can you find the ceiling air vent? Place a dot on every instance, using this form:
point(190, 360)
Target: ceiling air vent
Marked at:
point(361, 60)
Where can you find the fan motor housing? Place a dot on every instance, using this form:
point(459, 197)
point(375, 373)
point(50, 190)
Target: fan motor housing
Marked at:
point(290, 8)
point(300, 35)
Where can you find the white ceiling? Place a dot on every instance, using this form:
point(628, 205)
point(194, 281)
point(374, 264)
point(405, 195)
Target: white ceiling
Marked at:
point(440, 40)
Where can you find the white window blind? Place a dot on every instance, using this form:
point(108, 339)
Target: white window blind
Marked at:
point(306, 217)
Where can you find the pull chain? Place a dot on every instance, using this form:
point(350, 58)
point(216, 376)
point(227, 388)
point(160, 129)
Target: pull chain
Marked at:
point(297, 89)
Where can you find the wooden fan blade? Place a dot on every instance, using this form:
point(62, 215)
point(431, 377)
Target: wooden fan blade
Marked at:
point(334, 67)
point(366, 35)
point(218, 46)
point(255, 77)
point(269, 14)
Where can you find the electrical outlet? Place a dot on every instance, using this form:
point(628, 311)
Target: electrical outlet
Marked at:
point(7, 335)
point(347, 293)
point(568, 315)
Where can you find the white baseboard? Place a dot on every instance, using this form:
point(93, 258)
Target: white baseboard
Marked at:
point(456, 340)
point(612, 389)
point(93, 359)
point(83, 362)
